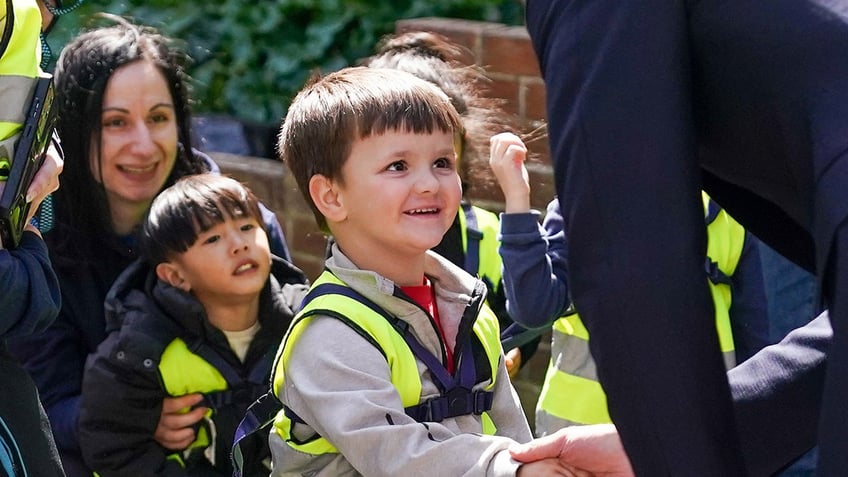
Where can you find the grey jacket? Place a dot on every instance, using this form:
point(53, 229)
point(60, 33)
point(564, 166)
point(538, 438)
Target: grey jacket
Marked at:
point(339, 383)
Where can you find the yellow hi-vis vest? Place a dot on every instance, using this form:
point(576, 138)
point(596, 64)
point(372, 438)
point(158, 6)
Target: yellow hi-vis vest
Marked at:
point(187, 368)
point(400, 358)
point(479, 231)
point(18, 69)
point(571, 393)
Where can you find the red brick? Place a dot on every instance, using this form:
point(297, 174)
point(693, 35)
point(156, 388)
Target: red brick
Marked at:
point(534, 99)
point(508, 50)
point(508, 89)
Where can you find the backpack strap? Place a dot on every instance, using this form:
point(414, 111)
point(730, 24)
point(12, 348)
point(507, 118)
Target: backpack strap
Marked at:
point(258, 416)
point(11, 459)
point(473, 236)
point(456, 395)
point(238, 389)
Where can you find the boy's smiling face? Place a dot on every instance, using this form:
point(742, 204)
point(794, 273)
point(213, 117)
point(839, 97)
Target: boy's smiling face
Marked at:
point(400, 192)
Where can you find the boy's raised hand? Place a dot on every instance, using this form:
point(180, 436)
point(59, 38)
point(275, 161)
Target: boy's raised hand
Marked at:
point(507, 154)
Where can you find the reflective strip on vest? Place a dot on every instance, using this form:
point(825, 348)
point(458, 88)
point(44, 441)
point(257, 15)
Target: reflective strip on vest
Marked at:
point(19, 66)
point(488, 259)
point(571, 393)
point(402, 363)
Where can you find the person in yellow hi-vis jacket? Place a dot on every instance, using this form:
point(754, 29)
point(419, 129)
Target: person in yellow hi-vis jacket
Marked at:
point(536, 281)
point(30, 298)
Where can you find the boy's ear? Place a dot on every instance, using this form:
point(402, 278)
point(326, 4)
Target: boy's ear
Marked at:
point(325, 195)
point(172, 275)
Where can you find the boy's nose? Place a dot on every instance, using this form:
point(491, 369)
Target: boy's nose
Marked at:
point(238, 243)
point(426, 181)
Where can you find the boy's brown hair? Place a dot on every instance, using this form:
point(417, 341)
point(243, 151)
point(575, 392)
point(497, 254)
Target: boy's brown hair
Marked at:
point(437, 59)
point(333, 111)
point(193, 205)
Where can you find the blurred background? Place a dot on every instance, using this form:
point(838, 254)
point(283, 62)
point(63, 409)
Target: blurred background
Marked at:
point(249, 58)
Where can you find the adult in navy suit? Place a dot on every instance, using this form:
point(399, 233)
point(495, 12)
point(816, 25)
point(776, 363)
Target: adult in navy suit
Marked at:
point(648, 101)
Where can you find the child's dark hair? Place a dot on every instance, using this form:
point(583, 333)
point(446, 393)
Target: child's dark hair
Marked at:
point(333, 111)
point(191, 206)
point(435, 58)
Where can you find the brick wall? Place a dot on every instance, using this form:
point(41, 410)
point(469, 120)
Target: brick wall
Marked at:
point(506, 55)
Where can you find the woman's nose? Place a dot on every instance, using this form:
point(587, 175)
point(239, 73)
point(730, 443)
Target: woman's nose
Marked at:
point(142, 140)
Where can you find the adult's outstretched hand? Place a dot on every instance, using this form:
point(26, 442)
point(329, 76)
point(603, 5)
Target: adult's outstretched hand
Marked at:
point(596, 449)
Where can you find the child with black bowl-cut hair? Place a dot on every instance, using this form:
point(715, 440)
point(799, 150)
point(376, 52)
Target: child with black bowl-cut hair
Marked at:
point(394, 365)
point(203, 312)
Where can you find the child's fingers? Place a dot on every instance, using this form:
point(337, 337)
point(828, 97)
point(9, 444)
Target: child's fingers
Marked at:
point(174, 404)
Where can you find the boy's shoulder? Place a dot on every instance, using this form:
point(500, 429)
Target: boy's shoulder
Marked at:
point(286, 272)
point(138, 311)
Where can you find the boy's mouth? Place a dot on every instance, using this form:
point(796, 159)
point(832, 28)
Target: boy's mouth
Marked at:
point(432, 210)
point(244, 267)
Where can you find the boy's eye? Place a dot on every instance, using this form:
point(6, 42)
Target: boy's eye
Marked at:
point(247, 227)
point(212, 239)
point(396, 166)
point(443, 163)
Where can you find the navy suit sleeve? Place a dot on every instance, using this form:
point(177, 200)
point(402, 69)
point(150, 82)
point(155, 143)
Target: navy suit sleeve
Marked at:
point(749, 310)
point(777, 397)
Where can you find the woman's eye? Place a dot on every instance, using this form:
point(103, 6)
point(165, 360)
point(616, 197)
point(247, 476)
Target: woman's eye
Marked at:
point(113, 122)
point(160, 118)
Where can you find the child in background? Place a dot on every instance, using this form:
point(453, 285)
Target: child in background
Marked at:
point(471, 242)
point(202, 312)
point(536, 281)
point(393, 366)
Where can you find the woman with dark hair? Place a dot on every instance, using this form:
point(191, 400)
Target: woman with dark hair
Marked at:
point(124, 121)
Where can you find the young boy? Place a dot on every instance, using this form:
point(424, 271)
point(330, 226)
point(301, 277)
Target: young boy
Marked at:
point(202, 312)
point(394, 365)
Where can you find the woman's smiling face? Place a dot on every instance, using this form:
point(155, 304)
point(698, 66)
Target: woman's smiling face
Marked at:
point(138, 144)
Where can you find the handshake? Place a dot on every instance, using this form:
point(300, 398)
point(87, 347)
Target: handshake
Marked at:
point(579, 451)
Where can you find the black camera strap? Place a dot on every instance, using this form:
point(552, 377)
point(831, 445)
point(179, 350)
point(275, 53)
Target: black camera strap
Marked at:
point(7, 30)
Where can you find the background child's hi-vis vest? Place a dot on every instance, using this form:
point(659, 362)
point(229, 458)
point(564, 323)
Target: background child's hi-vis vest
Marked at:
point(20, 55)
point(571, 393)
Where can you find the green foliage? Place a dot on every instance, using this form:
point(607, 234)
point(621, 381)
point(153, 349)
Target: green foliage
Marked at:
point(251, 56)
